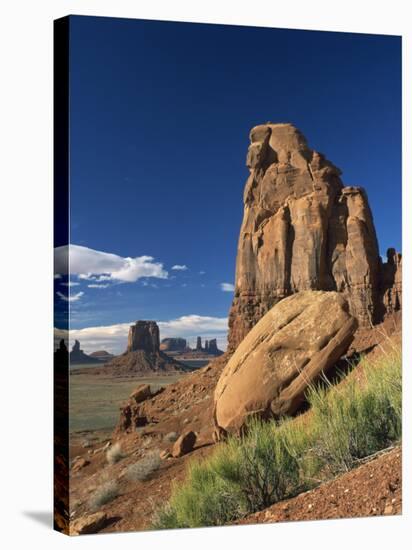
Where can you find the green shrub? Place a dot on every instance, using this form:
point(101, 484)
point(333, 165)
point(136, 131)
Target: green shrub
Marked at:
point(360, 417)
point(276, 460)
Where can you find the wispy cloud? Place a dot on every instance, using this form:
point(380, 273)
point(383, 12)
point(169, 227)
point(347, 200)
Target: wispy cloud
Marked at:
point(178, 267)
point(97, 285)
point(94, 265)
point(70, 297)
point(227, 287)
point(113, 338)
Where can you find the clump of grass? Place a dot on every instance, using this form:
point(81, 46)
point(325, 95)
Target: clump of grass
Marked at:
point(276, 460)
point(143, 469)
point(114, 454)
point(104, 494)
point(359, 418)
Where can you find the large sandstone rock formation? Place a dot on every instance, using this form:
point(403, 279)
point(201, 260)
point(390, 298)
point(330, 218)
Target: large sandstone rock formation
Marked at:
point(392, 281)
point(302, 230)
point(143, 335)
point(143, 352)
point(285, 351)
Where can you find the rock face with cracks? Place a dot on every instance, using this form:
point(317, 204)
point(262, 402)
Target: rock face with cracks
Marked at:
point(285, 351)
point(302, 230)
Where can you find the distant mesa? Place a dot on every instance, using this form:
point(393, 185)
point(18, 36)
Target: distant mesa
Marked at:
point(143, 353)
point(77, 355)
point(179, 348)
point(102, 355)
point(174, 344)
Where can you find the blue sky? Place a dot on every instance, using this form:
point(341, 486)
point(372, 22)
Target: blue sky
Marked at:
point(159, 123)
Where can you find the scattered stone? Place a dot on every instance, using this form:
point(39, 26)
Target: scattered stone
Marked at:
point(165, 454)
point(141, 393)
point(88, 524)
point(184, 444)
point(79, 463)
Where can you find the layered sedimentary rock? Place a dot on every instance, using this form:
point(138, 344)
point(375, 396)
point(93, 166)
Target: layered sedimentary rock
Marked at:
point(143, 352)
point(301, 230)
point(199, 343)
point(173, 344)
point(143, 335)
point(267, 376)
point(392, 281)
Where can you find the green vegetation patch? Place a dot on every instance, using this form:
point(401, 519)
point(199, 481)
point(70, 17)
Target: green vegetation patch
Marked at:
point(277, 460)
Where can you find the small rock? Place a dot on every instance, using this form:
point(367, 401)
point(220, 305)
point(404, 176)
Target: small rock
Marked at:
point(388, 510)
point(79, 463)
point(184, 444)
point(141, 393)
point(88, 524)
point(165, 454)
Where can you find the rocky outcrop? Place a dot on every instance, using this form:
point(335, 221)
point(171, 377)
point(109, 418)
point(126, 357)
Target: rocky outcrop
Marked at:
point(143, 354)
point(213, 349)
point(392, 281)
point(267, 376)
point(143, 335)
point(301, 230)
point(173, 344)
point(78, 356)
point(133, 414)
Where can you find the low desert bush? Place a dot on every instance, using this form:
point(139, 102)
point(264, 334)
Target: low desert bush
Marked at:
point(104, 494)
point(242, 476)
point(276, 460)
point(114, 454)
point(171, 437)
point(359, 417)
point(142, 469)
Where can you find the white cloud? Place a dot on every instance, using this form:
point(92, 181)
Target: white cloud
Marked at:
point(227, 287)
point(113, 338)
point(202, 272)
point(70, 297)
point(70, 284)
point(100, 266)
point(97, 285)
point(178, 267)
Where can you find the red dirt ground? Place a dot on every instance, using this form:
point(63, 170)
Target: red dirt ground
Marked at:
point(187, 405)
point(373, 489)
